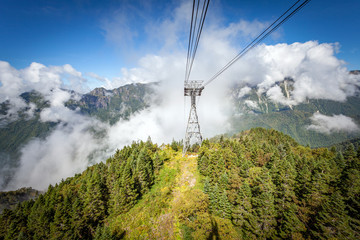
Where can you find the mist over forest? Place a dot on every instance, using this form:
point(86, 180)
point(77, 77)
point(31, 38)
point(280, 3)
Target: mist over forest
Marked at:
point(81, 151)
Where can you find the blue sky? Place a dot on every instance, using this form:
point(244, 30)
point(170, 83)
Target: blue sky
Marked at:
point(104, 36)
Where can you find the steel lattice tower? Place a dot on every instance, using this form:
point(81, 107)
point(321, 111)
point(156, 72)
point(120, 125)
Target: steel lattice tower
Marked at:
point(192, 135)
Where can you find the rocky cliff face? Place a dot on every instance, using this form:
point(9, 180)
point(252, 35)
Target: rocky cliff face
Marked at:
point(98, 98)
point(112, 105)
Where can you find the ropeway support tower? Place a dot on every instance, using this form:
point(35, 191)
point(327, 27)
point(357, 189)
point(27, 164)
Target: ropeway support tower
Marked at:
point(193, 134)
point(194, 88)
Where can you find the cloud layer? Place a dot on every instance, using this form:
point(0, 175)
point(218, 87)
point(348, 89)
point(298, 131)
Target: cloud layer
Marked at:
point(51, 82)
point(332, 124)
point(316, 71)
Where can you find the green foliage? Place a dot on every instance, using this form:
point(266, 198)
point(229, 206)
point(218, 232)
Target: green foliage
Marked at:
point(104, 233)
point(259, 184)
point(332, 220)
point(106, 105)
point(9, 200)
point(272, 188)
point(78, 207)
point(175, 145)
point(192, 212)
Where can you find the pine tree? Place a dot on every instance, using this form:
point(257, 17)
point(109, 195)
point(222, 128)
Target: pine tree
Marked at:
point(350, 188)
point(207, 185)
point(214, 198)
point(203, 165)
point(224, 210)
point(144, 171)
point(332, 220)
point(103, 233)
point(242, 206)
point(245, 165)
point(284, 175)
point(78, 222)
point(224, 181)
point(126, 197)
point(263, 203)
point(61, 226)
point(158, 161)
point(349, 153)
point(174, 146)
point(41, 216)
point(95, 201)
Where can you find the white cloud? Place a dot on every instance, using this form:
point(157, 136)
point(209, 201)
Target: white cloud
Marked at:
point(315, 69)
point(332, 124)
point(274, 93)
point(317, 73)
point(251, 104)
point(68, 148)
point(49, 81)
point(11, 86)
point(65, 152)
point(244, 91)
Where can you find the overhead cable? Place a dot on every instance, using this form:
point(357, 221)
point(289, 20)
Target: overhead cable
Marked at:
point(195, 26)
point(200, 27)
point(261, 37)
point(190, 37)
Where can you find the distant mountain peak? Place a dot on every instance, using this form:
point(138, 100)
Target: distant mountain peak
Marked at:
point(100, 92)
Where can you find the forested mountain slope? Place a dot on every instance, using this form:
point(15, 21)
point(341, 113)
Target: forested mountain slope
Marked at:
point(106, 105)
point(260, 184)
point(255, 109)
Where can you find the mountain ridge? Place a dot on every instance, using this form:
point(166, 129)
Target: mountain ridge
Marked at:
point(153, 192)
point(253, 108)
point(17, 131)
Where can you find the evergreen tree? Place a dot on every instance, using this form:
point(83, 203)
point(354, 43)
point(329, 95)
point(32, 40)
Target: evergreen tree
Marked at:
point(144, 171)
point(203, 165)
point(350, 153)
point(41, 216)
point(224, 181)
point(264, 220)
point(103, 233)
point(245, 166)
point(242, 206)
point(224, 210)
point(95, 201)
point(174, 145)
point(207, 186)
point(350, 188)
point(78, 222)
point(158, 161)
point(284, 175)
point(332, 220)
point(126, 197)
point(60, 228)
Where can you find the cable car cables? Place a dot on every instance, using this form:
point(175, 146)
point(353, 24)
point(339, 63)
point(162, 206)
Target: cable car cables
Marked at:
point(283, 18)
point(196, 25)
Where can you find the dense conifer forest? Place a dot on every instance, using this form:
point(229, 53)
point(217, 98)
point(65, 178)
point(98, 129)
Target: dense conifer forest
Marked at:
point(258, 184)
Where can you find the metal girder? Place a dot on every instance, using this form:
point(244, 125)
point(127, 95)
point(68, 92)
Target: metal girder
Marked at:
point(192, 135)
